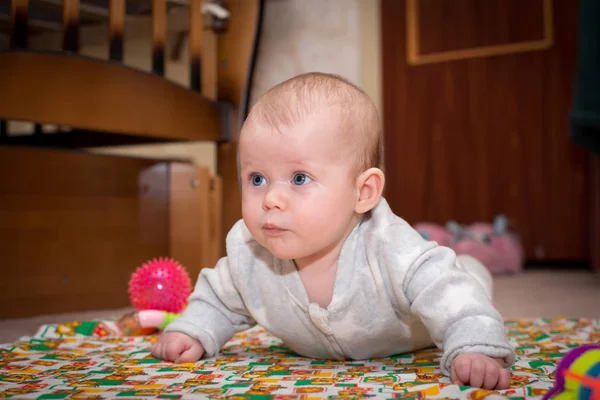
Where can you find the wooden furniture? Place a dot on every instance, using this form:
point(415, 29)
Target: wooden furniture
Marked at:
point(73, 224)
point(487, 132)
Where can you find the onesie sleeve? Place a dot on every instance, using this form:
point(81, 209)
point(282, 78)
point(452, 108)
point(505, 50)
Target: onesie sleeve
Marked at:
point(215, 310)
point(452, 305)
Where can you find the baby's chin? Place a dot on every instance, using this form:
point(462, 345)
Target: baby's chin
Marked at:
point(284, 247)
point(281, 250)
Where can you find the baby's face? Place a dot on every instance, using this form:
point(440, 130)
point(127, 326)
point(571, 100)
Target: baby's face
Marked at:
point(298, 192)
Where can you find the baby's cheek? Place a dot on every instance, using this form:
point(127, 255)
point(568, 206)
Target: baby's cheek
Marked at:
point(250, 207)
point(253, 227)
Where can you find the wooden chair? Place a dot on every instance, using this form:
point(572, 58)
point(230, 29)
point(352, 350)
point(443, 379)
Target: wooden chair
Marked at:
point(73, 224)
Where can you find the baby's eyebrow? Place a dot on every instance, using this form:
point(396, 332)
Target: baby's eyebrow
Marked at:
point(300, 161)
point(247, 162)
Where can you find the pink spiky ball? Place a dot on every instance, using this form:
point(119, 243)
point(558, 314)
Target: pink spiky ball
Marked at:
point(160, 284)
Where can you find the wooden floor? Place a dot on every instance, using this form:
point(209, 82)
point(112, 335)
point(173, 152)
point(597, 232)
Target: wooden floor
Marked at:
point(540, 293)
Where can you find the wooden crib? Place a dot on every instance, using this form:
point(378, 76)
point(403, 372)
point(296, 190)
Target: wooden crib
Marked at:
point(75, 224)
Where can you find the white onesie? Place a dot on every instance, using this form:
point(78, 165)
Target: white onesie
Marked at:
point(394, 292)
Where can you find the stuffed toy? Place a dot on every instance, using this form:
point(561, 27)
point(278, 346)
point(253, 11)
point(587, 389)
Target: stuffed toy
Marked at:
point(434, 232)
point(491, 244)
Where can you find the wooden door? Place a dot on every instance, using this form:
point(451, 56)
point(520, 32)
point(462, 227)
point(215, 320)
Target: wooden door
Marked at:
point(476, 136)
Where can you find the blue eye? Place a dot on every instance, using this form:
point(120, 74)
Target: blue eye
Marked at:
point(258, 180)
point(301, 179)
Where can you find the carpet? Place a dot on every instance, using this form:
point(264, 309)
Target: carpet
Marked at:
point(89, 360)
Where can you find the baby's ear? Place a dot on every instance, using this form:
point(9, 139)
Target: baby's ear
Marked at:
point(370, 187)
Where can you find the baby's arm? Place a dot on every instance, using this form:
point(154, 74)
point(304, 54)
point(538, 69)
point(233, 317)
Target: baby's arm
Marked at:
point(215, 312)
point(459, 317)
point(452, 305)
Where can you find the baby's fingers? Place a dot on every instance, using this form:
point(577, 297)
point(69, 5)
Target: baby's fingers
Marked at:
point(478, 367)
point(173, 349)
point(503, 380)
point(461, 371)
point(492, 374)
point(191, 354)
point(157, 349)
point(453, 377)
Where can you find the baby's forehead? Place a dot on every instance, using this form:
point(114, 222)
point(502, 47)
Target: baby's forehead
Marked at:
point(318, 127)
point(313, 138)
point(341, 112)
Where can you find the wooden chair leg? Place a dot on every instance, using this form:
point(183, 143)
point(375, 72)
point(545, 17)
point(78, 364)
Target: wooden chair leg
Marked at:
point(227, 169)
point(189, 217)
point(216, 238)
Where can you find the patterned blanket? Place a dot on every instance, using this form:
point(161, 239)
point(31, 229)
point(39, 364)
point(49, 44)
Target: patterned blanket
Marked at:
point(88, 360)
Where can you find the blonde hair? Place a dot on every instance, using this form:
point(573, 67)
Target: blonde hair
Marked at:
point(297, 98)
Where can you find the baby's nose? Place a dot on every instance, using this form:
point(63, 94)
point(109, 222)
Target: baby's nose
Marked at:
point(275, 198)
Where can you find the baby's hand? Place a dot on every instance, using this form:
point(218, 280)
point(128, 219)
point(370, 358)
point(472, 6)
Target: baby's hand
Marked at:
point(480, 371)
point(177, 347)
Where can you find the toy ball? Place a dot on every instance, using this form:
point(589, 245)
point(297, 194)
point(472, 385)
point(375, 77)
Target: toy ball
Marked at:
point(578, 374)
point(160, 284)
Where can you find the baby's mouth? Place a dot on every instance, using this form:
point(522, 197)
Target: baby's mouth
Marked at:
point(272, 229)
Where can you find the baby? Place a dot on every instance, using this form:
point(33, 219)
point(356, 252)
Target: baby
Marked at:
point(321, 261)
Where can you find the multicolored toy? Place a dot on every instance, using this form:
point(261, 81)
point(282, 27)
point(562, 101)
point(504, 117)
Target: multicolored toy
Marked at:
point(160, 284)
point(578, 375)
point(144, 322)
